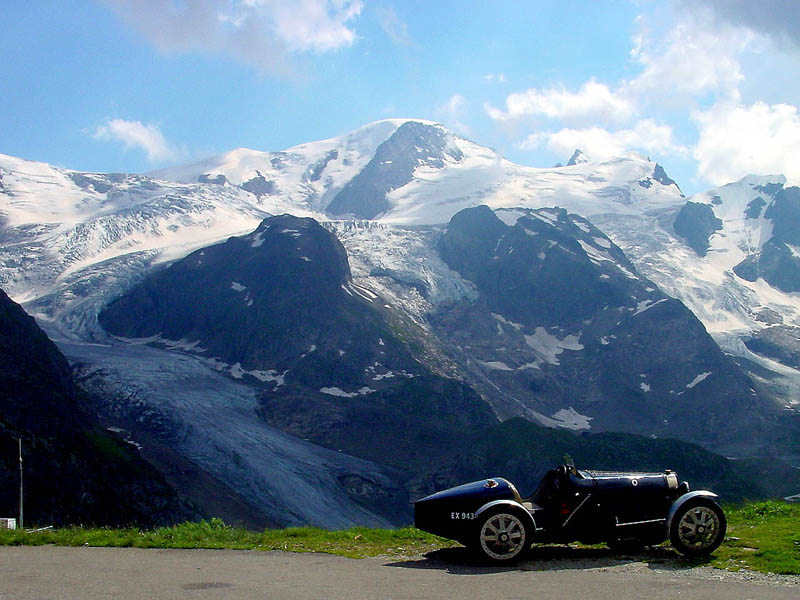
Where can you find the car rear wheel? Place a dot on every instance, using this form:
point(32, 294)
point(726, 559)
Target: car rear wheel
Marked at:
point(698, 528)
point(502, 536)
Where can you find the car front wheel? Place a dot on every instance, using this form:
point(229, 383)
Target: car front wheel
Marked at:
point(502, 536)
point(698, 528)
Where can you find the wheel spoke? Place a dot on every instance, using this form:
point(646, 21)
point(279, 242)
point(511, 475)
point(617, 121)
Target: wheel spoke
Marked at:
point(502, 536)
point(698, 527)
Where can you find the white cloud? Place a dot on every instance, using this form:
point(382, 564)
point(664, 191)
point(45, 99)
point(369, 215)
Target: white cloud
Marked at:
point(396, 29)
point(691, 59)
point(318, 25)
point(737, 140)
point(258, 32)
point(687, 69)
point(592, 101)
point(599, 143)
point(776, 19)
point(137, 135)
point(453, 112)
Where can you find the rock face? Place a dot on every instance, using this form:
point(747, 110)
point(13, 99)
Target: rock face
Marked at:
point(258, 185)
point(74, 470)
point(412, 146)
point(778, 261)
point(577, 158)
point(660, 175)
point(277, 302)
point(696, 222)
point(779, 342)
point(566, 328)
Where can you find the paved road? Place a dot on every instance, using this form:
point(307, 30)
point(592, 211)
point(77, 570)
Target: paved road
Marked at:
point(46, 573)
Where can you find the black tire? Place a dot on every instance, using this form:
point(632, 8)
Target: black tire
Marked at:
point(501, 535)
point(698, 528)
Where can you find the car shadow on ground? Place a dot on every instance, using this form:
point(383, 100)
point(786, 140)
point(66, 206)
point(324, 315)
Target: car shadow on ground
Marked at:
point(463, 561)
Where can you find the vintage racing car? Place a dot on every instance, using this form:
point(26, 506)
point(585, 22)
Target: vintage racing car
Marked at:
point(623, 510)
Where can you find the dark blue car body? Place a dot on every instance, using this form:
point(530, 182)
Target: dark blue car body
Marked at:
point(622, 509)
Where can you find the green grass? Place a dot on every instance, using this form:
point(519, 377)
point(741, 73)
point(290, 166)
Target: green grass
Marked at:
point(763, 536)
point(358, 542)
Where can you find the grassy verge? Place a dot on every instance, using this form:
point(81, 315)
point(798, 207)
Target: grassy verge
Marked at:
point(358, 542)
point(764, 537)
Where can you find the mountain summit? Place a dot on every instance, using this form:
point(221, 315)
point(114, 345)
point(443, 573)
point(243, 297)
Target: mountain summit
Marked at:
point(577, 158)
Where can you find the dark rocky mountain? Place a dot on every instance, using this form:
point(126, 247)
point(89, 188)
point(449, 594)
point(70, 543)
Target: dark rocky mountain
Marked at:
point(278, 302)
point(413, 145)
point(259, 185)
point(74, 470)
point(660, 175)
point(566, 328)
point(780, 342)
point(778, 261)
point(696, 222)
point(577, 158)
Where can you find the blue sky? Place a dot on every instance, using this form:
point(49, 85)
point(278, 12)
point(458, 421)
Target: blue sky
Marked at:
point(709, 88)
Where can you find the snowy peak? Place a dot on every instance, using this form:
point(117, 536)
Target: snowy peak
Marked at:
point(307, 175)
point(778, 260)
point(577, 158)
point(736, 221)
point(415, 172)
point(413, 146)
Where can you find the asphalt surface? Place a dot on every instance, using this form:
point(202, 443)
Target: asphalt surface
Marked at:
point(45, 573)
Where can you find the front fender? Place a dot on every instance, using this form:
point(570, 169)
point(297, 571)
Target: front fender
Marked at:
point(512, 505)
point(683, 500)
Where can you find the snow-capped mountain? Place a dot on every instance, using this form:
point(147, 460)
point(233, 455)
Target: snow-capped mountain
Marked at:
point(72, 243)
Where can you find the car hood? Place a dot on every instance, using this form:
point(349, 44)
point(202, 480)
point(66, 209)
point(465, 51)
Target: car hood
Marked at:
point(493, 488)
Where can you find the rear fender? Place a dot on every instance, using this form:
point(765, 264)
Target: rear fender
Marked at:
point(683, 500)
point(511, 505)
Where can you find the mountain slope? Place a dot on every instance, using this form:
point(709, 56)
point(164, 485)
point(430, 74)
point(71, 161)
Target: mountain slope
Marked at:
point(582, 339)
point(74, 470)
point(278, 300)
point(276, 308)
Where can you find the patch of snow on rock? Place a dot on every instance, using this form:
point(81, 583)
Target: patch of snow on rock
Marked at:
point(495, 365)
point(697, 380)
point(647, 305)
point(549, 346)
point(569, 418)
point(335, 391)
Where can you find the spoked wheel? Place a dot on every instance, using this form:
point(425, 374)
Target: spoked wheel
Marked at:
point(698, 529)
point(502, 536)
